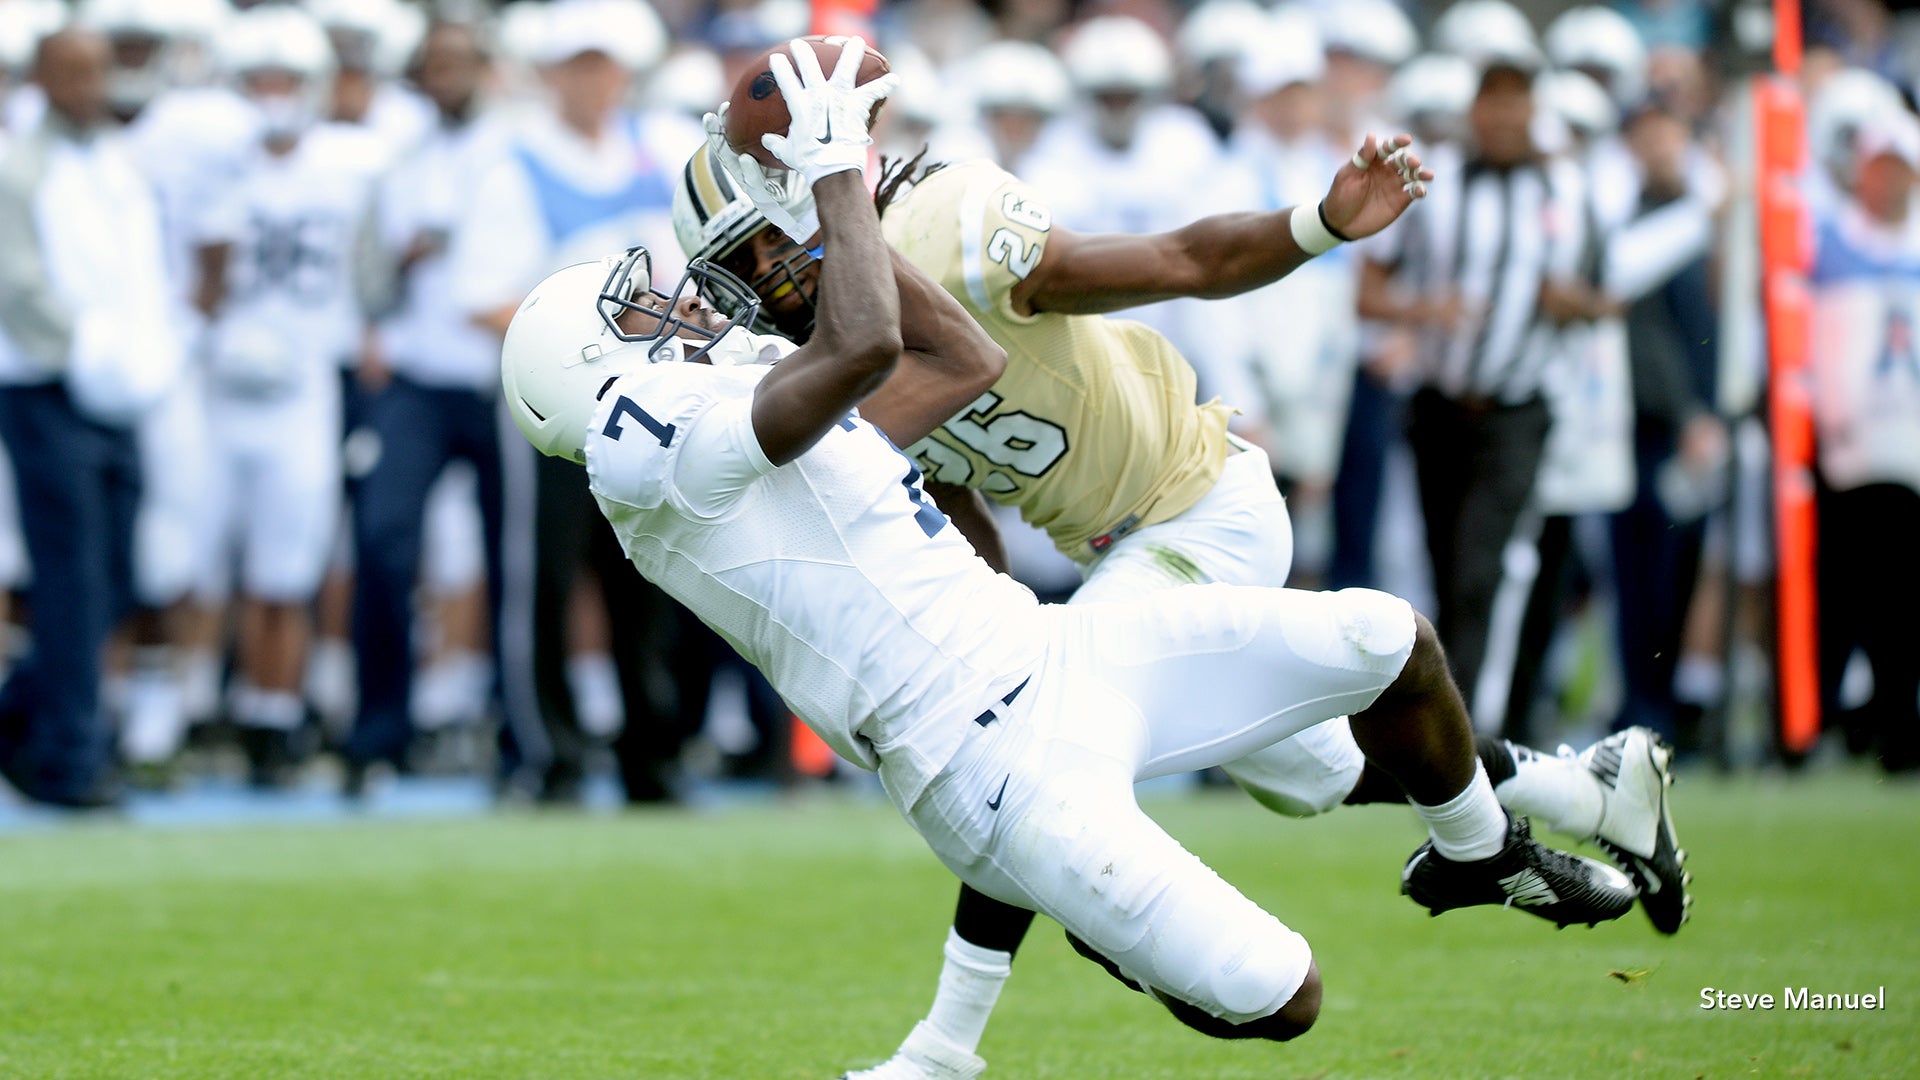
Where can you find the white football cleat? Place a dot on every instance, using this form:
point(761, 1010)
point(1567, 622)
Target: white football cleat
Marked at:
point(924, 1056)
point(1636, 827)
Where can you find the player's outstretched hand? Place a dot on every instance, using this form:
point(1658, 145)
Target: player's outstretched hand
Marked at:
point(774, 194)
point(828, 132)
point(1376, 187)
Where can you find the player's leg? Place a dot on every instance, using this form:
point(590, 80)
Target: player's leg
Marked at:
point(1293, 1018)
point(292, 511)
point(1239, 535)
point(1237, 532)
point(1039, 812)
point(174, 466)
point(1613, 793)
point(1270, 663)
point(1421, 720)
point(389, 513)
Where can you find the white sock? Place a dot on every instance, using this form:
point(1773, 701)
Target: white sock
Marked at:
point(155, 723)
point(1698, 680)
point(595, 683)
point(970, 983)
point(281, 710)
point(200, 685)
point(1470, 826)
point(1559, 792)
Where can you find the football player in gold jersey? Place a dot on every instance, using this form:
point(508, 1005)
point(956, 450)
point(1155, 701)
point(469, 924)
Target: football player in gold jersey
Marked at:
point(1094, 434)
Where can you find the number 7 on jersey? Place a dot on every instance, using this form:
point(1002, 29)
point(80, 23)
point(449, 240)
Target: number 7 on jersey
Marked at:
point(625, 407)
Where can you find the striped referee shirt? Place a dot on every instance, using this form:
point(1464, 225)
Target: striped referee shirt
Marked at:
point(1494, 235)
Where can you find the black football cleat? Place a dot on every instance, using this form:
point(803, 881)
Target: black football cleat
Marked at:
point(1526, 874)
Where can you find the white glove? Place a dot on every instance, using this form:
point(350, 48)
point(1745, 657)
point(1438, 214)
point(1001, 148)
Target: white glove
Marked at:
point(828, 133)
point(774, 194)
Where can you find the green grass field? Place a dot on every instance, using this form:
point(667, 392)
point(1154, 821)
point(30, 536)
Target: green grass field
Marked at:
point(797, 941)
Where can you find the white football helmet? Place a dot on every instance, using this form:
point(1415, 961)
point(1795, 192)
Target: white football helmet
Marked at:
point(355, 28)
point(1580, 102)
point(276, 38)
point(521, 31)
point(26, 22)
point(1287, 50)
point(1847, 101)
point(1375, 30)
point(628, 31)
point(1601, 40)
point(712, 218)
point(565, 343)
point(1118, 53)
point(157, 43)
point(690, 82)
point(1433, 91)
point(1219, 30)
point(1018, 75)
point(1488, 33)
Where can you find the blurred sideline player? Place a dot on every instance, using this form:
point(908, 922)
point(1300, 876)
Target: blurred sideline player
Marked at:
point(282, 312)
point(584, 175)
point(1204, 511)
point(1866, 292)
point(427, 378)
point(1009, 734)
point(177, 136)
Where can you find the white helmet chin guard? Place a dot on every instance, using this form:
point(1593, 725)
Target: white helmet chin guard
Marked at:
point(565, 344)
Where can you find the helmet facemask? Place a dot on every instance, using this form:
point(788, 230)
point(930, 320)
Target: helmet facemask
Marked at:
point(627, 291)
point(781, 277)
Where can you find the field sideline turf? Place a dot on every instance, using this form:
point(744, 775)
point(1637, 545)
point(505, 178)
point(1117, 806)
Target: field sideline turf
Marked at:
point(797, 941)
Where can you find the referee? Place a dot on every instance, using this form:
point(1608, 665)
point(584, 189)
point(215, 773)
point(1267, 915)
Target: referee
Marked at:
point(1479, 273)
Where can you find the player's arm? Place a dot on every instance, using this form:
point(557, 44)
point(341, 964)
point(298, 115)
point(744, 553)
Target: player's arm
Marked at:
point(856, 338)
point(856, 335)
point(968, 510)
point(947, 362)
point(1225, 254)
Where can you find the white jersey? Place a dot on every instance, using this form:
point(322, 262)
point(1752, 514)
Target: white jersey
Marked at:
point(833, 574)
point(189, 142)
point(1866, 354)
point(290, 317)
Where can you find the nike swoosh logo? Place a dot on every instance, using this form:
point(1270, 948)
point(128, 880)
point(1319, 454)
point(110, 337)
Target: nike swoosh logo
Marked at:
point(999, 796)
point(828, 137)
point(1414, 864)
point(1652, 886)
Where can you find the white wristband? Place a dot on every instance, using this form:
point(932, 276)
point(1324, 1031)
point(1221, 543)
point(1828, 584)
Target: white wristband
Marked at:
point(1310, 232)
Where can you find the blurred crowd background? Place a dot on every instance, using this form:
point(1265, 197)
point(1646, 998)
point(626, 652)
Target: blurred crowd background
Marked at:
point(261, 522)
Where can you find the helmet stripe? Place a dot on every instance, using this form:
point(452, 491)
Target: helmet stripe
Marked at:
point(693, 190)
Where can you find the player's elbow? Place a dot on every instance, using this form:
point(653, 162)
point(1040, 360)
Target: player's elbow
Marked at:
point(987, 361)
point(877, 351)
point(868, 347)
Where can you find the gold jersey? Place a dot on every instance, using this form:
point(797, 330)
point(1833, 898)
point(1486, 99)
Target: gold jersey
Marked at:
point(1093, 430)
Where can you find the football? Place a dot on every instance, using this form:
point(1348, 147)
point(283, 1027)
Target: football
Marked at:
point(758, 108)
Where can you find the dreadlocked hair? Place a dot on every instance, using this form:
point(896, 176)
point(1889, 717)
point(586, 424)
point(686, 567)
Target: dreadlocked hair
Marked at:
point(897, 174)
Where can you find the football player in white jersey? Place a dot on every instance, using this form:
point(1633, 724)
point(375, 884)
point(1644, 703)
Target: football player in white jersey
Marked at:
point(770, 499)
point(182, 135)
point(1125, 449)
point(282, 315)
